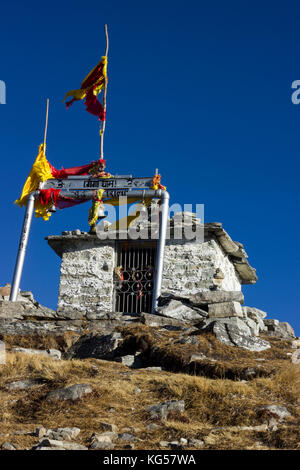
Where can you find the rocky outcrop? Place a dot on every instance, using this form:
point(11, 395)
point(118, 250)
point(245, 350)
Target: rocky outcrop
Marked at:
point(215, 311)
point(73, 392)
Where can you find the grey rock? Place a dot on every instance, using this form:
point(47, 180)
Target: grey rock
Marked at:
point(96, 346)
point(235, 335)
point(270, 322)
point(164, 444)
point(150, 319)
point(176, 309)
point(74, 392)
point(163, 410)
point(125, 436)
point(253, 326)
point(40, 432)
point(225, 309)
point(130, 360)
point(102, 445)
point(254, 313)
point(197, 443)
point(190, 340)
point(198, 357)
point(108, 427)
point(8, 446)
point(53, 353)
point(278, 329)
point(280, 412)
point(62, 434)
point(296, 357)
point(66, 445)
point(295, 344)
point(103, 441)
point(22, 384)
point(153, 426)
point(213, 297)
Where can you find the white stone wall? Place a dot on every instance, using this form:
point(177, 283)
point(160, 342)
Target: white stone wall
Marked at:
point(189, 266)
point(86, 277)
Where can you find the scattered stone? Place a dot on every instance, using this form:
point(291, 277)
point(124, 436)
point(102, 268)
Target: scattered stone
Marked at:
point(40, 432)
point(125, 436)
point(253, 326)
point(73, 392)
point(179, 311)
point(8, 446)
point(295, 344)
point(22, 384)
point(63, 434)
point(108, 427)
point(103, 441)
point(278, 329)
point(65, 445)
point(163, 410)
point(197, 357)
point(197, 443)
point(97, 346)
point(225, 309)
point(156, 320)
point(190, 340)
point(236, 333)
point(5, 290)
point(215, 297)
point(280, 412)
point(296, 357)
point(153, 426)
point(164, 444)
point(131, 360)
point(53, 353)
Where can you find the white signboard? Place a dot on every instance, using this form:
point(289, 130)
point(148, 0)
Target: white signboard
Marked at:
point(115, 184)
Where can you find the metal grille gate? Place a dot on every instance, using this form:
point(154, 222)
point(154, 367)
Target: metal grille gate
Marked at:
point(134, 277)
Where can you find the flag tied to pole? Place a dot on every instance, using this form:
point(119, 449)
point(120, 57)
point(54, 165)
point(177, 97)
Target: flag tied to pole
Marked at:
point(90, 88)
point(41, 171)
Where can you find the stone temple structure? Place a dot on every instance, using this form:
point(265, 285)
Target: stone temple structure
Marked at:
point(117, 275)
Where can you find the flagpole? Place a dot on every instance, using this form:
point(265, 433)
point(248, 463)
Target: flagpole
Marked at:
point(102, 129)
point(46, 123)
point(25, 231)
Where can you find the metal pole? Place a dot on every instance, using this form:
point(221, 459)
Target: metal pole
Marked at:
point(159, 263)
point(22, 248)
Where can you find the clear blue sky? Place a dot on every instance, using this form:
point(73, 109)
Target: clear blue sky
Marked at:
point(201, 90)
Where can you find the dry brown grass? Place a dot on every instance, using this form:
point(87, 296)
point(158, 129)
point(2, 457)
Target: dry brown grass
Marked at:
point(213, 407)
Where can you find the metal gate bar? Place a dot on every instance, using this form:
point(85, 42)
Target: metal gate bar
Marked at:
point(134, 278)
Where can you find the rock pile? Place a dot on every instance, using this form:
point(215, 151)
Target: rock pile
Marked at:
point(219, 312)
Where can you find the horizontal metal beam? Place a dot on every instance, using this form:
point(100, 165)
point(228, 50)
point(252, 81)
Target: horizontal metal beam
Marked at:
point(88, 194)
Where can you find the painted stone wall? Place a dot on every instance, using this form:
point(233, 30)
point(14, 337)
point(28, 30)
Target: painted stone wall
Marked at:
point(189, 266)
point(86, 277)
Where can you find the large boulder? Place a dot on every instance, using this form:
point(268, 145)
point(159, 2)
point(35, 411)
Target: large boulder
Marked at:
point(216, 297)
point(180, 311)
point(225, 309)
point(278, 329)
point(73, 392)
point(165, 409)
point(255, 315)
point(96, 346)
point(236, 333)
